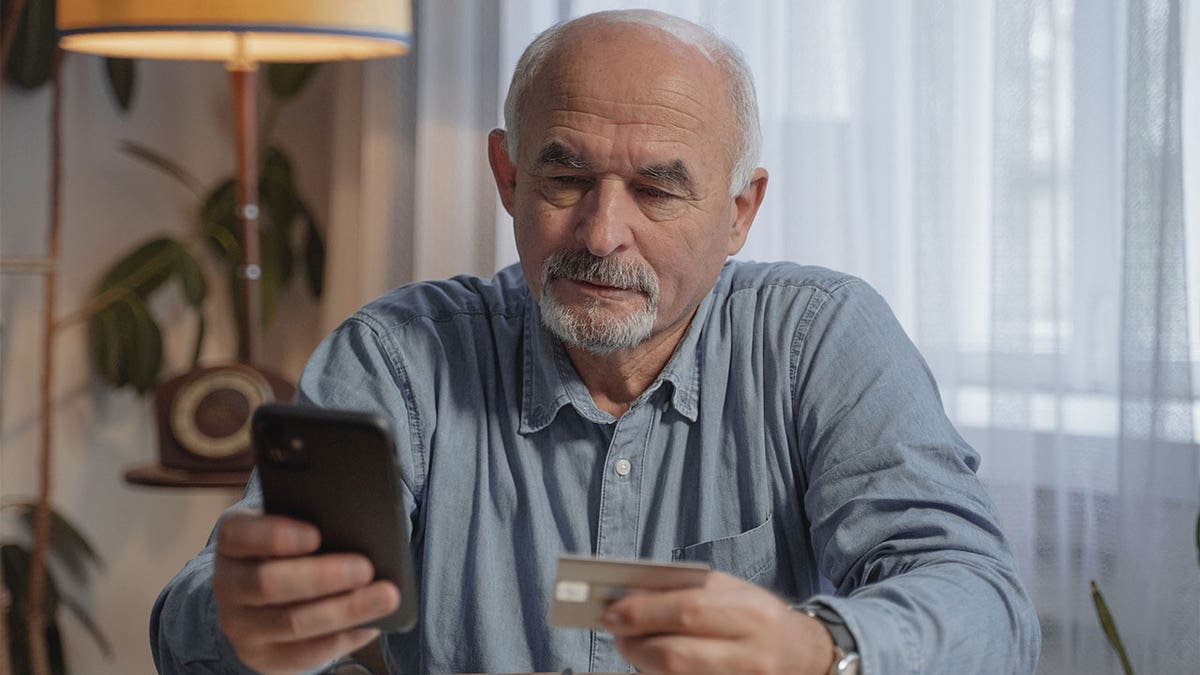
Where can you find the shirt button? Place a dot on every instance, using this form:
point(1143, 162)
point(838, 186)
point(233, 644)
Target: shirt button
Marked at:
point(623, 467)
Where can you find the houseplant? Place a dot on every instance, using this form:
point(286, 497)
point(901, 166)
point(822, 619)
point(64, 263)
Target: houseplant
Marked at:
point(29, 59)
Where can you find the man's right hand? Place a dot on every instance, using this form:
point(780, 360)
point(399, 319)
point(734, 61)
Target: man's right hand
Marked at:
point(285, 609)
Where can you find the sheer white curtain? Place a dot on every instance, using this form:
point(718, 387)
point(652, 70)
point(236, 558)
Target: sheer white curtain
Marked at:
point(1011, 175)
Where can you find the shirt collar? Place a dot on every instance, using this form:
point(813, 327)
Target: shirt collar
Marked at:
point(549, 379)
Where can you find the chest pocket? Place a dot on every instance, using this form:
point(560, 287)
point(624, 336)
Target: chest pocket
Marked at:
point(749, 555)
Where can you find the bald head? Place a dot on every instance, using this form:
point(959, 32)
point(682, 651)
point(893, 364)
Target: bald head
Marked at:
point(655, 28)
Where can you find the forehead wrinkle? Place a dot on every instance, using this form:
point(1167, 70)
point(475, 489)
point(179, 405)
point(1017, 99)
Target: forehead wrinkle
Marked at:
point(647, 109)
point(569, 117)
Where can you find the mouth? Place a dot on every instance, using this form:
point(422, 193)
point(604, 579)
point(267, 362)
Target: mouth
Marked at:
point(597, 289)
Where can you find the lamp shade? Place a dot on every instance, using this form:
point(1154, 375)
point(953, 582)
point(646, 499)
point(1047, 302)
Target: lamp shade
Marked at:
point(237, 30)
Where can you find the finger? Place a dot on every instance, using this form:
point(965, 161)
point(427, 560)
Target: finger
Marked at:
point(678, 654)
point(702, 612)
point(684, 611)
point(249, 535)
point(280, 581)
point(317, 618)
point(307, 654)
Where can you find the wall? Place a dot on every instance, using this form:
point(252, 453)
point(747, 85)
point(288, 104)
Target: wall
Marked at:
point(111, 202)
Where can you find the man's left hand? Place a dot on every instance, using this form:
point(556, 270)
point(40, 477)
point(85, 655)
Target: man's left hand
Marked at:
point(726, 626)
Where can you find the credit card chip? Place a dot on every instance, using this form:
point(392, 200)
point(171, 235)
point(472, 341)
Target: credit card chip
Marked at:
point(571, 591)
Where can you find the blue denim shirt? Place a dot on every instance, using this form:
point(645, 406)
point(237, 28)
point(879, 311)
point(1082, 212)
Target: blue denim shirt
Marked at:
point(795, 439)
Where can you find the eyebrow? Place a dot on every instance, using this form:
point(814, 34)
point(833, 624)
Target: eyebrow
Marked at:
point(674, 172)
point(556, 154)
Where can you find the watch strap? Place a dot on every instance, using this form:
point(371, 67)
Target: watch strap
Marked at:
point(846, 660)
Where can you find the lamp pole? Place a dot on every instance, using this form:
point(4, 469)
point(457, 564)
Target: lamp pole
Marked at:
point(243, 79)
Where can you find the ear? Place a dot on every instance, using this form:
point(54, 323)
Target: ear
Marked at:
point(745, 206)
point(504, 170)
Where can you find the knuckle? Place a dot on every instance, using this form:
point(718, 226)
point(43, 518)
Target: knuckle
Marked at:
point(297, 623)
point(260, 582)
point(691, 613)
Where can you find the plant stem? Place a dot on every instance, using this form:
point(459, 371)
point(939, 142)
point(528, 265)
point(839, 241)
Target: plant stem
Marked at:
point(38, 656)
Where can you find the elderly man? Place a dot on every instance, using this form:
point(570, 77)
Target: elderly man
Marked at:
point(628, 392)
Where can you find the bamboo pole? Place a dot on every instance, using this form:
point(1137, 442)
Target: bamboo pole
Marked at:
point(38, 656)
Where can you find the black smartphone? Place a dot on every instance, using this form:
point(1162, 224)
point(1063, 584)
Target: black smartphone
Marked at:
point(336, 469)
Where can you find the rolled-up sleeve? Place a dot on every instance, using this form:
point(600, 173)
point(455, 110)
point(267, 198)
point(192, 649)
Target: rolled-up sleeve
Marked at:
point(900, 524)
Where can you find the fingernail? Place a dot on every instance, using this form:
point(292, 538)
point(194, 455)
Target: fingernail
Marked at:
point(614, 618)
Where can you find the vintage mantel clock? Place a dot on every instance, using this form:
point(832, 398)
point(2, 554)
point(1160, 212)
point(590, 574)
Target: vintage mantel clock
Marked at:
point(204, 425)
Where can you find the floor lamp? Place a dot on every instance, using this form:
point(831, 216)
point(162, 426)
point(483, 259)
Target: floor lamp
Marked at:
point(198, 448)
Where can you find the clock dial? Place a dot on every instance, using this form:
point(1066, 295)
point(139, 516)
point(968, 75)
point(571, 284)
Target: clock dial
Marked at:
point(210, 416)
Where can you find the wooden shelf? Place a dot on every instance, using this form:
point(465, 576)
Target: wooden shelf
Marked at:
point(157, 475)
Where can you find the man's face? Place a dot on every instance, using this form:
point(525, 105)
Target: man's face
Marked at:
point(620, 191)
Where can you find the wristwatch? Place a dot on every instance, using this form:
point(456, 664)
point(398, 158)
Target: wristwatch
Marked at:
point(845, 650)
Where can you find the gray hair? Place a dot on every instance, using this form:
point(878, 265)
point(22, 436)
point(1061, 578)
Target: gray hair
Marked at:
point(724, 54)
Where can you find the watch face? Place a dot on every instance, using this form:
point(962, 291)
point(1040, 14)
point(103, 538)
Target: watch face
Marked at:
point(210, 415)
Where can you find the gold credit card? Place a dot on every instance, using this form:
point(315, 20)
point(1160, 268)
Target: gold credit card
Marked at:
point(584, 587)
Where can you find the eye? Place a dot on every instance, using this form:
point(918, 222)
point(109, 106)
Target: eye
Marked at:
point(654, 193)
point(568, 181)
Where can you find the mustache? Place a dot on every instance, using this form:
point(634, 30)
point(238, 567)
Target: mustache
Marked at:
point(580, 265)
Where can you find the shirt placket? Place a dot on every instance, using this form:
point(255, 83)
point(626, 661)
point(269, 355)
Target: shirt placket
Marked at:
point(620, 504)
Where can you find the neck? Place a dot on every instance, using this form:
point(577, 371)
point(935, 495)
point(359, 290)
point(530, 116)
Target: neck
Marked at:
point(615, 380)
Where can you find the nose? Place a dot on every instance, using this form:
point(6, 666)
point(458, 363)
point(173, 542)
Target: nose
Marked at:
point(605, 220)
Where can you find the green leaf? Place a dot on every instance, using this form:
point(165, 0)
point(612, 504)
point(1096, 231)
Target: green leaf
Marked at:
point(18, 566)
point(276, 167)
point(199, 339)
point(126, 343)
point(277, 190)
point(16, 575)
point(223, 242)
point(85, 619)
point(68, 546)
point(218, 221)
point(1110, 628)
point(191, 278)
point(121, 77)
point(126, 320)
point(146, 350)
point(18, 641)
point(285, 80)
point(314, 253)
point(144, 269)
point(105, 340)
point(163, 163)
point(276, 260)
point(54, 647)
point(31, 58)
